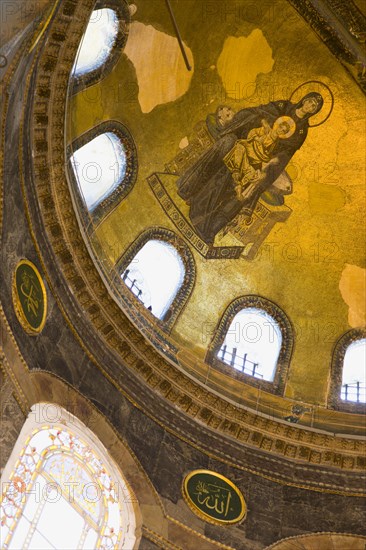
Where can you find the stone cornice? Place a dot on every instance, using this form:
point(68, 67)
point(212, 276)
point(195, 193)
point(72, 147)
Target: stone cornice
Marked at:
point(342, 28)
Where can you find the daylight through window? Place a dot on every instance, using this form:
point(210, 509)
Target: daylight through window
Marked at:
point(252, 344)
point(62, 493)
point(99, 167)
point(97, 41)
point(155, 275)
point(354, 372)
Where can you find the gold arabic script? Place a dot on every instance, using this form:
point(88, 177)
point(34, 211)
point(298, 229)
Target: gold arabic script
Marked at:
point(213, 497)
point(29, 290)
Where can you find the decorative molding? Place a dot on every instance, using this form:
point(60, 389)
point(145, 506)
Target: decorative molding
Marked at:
point(159, 540)
point(200, 535)
point(342, 28)
point(317, 540)
point(336, 372)
point(283, 362)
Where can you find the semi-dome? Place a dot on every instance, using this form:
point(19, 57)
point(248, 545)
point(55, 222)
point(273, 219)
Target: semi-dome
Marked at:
point(182, 276)
point(240, 162)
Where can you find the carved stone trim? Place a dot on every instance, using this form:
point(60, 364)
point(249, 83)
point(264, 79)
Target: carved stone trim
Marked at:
point(342, 28)
point(283, 362)
point(120, 7)
point(334, 396)
point(185, 290)
point(92, 218)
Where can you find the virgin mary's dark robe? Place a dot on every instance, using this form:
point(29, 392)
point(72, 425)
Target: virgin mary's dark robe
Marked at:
point(208, 184)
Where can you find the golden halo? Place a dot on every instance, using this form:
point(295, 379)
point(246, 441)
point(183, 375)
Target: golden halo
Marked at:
point(289, 121)
point(320, 88)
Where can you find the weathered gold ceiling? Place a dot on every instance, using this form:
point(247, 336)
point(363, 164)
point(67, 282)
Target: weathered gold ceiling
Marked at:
point(173, 411)
point(242, 55)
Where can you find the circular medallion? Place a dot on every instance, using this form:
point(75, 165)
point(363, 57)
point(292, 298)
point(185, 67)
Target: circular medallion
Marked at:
point(213, 497)
point(29, 297)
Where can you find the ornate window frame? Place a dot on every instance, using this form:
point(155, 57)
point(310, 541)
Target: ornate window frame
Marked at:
point(78, 83)
point(92, 218)
point(336, 373)
point(287, 331)
point(69, 437)
point(184, 292)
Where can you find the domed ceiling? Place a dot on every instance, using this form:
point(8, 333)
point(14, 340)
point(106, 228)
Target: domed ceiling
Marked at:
point(198, 216)
point(288, 234)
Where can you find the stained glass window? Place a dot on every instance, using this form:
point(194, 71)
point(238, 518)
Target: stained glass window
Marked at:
point(354, 372)
point(61, 494)
point(99, 167)
point(155, 275)
point(252, 344)
point(97, 41)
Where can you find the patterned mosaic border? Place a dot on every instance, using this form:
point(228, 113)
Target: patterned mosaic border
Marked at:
point(173, 212)
point(278, 384)
point(334, 394)
point(342, 28)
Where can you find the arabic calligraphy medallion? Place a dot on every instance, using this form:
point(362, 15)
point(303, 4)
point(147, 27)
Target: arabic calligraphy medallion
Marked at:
point(213, 497)
point(29, 297)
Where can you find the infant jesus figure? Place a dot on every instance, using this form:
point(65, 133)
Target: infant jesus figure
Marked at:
point(248, 157)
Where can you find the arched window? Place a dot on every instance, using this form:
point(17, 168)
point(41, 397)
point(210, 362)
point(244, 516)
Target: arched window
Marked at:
point(101, 45)
point(252, 344)
point(159, 271)
point(254, 338)
point(62, 490)
point(354, 372)
point(155, 275)
point(347, 389)
point(97, 42)
point(103, 165)
point(99, 166)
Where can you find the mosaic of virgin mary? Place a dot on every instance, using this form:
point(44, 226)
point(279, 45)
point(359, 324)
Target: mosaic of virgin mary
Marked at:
point(251, 151)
